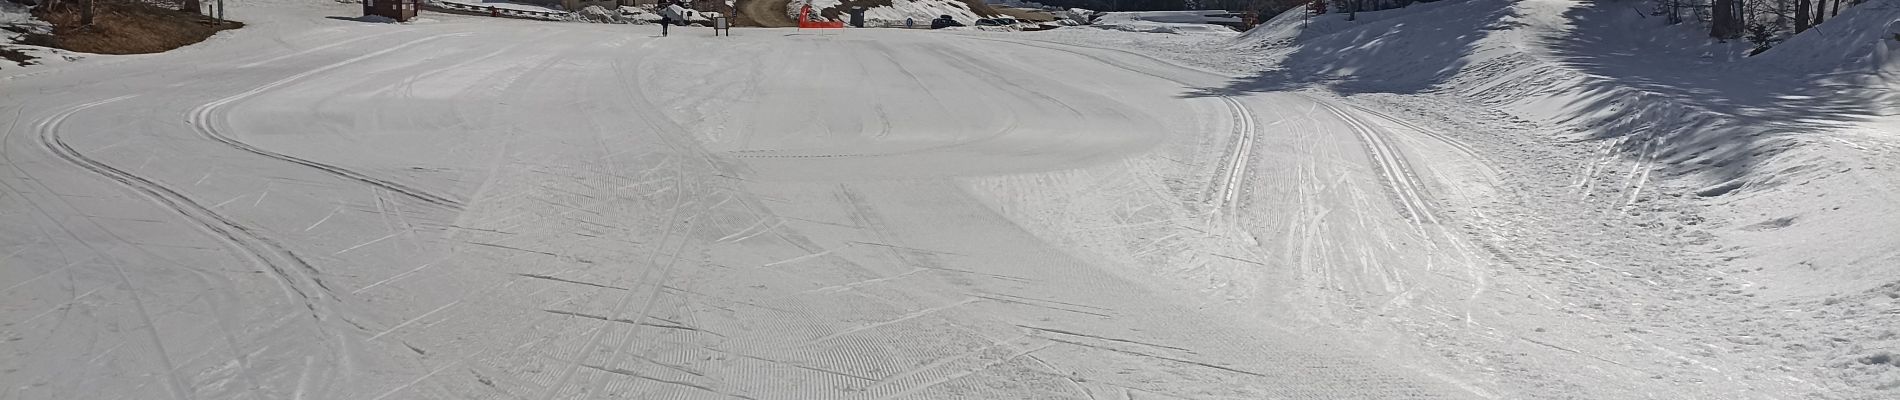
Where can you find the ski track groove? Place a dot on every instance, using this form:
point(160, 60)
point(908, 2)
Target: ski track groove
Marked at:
point(1233, 180)
point(204, 119)
point(1400, 182)
point(1456, 144)
point(296, 281)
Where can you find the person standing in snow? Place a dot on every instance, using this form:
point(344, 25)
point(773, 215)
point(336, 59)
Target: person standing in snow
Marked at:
point(665, 21)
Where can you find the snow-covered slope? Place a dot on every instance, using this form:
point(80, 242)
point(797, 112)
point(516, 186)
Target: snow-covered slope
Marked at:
point(1779, 169)
point(319, 208)
point(1673, 219)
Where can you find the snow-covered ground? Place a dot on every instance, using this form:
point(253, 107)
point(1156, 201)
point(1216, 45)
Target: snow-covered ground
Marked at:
point(15, 14)
point(1199, 21)
point(1459, 199)
point(324, 209)
point(1687, 222)
point(15, 21)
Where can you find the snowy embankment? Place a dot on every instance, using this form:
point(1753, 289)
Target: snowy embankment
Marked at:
point(500, 5)
point(1672, 219)
point(18, 16)
point(893, 13)
point(1197, 21)
point(16, 21)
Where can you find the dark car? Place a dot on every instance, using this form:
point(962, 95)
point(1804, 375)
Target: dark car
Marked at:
point(944, 21)
point(995, 22)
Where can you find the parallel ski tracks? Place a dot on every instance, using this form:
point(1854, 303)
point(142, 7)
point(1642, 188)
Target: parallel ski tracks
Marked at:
point(1233, 180)
point(1406, 191)
point(206, 120)
point(296, 275)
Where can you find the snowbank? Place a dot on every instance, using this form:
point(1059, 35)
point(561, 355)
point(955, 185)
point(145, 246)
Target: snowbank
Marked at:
point(920, 10)
point(1201, 21)
point(1778, 169)
point(894, 15)
point(1077, 16)
point(598, 14)
point(15, 20)
point(1887, 54)
point(1173, 17)
point(499, 4)
point(1851, 41)
point(639, 15)
point(20, 17)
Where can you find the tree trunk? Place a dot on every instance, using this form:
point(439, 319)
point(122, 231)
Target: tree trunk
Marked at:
point(1722, 23)
point(1801, 18)
point(1820, 12)
point(85, 13)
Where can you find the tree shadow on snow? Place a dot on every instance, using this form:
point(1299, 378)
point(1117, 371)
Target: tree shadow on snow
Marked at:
point(1379, 53)
point(1648, 82)
point(1679, 77)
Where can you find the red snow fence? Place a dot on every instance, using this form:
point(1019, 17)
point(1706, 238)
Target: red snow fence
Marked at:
point(805, 22)
point(820, 24)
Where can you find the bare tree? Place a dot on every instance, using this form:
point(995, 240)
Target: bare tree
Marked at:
point(1820, 12)
point(1801, 21)
point(1725, 20)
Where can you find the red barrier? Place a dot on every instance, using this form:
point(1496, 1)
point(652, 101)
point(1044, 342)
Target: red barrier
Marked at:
point(805, 22)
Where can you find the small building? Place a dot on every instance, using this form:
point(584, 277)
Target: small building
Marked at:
point(399, 10)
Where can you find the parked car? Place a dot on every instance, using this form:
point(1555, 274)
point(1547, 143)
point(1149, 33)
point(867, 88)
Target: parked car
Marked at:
point(996, 22)
point(944, 21)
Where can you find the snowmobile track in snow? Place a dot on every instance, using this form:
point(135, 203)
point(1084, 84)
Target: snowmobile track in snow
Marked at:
point(205, 119)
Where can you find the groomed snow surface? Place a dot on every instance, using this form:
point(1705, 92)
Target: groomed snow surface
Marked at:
point(1460, 199)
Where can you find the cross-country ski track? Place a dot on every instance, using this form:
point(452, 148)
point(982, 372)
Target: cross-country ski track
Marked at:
point(324, 209)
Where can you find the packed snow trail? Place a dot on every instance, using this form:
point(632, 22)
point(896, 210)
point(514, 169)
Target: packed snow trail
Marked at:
point(523, 210)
